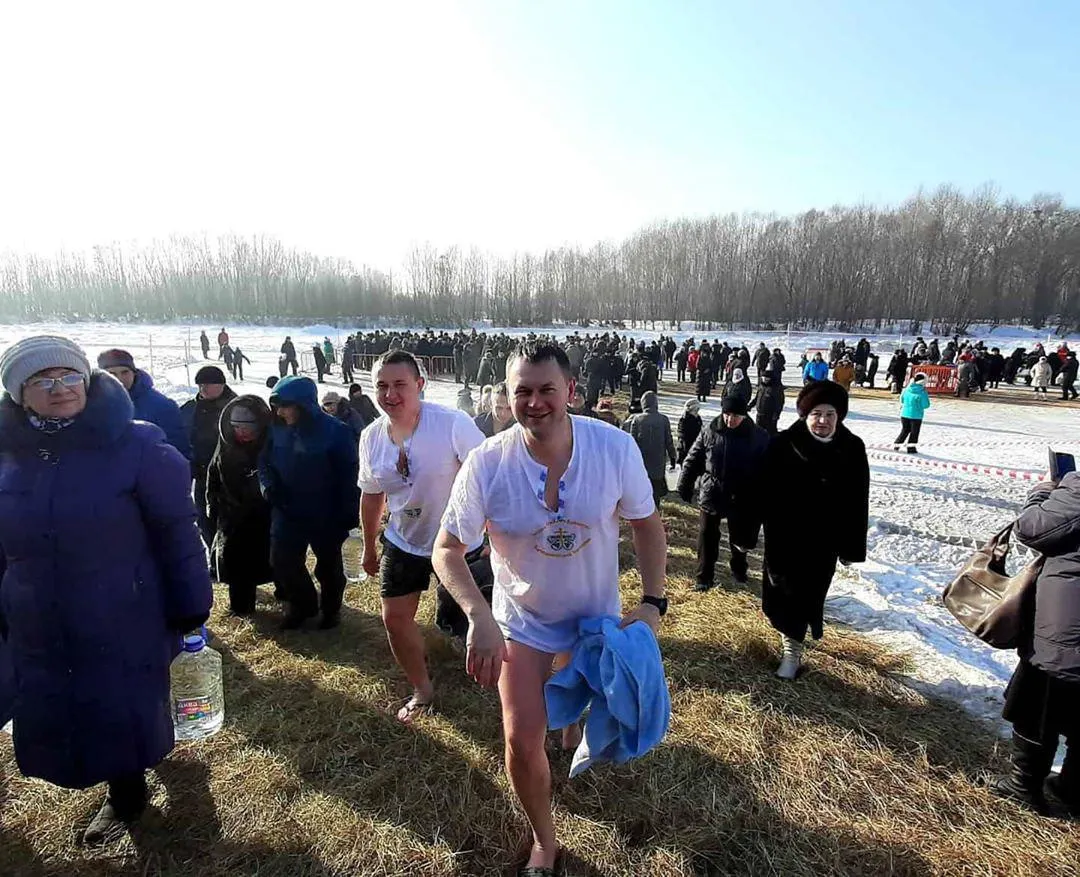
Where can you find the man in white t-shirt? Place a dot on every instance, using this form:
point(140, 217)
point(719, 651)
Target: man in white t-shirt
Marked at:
point(409, 458)
point(549, 492)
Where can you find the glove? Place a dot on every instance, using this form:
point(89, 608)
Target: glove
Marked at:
point(188, 623)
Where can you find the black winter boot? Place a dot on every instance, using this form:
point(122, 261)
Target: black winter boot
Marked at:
point(123, 806)
point(1065, 787)
point(1023, 783)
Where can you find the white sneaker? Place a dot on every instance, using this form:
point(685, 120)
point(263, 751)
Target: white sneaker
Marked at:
point(792, 658)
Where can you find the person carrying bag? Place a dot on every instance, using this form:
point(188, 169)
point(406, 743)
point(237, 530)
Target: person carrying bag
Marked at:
point(1038, 612)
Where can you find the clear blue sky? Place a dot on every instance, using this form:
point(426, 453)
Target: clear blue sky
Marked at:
point(787, 104)
point(363, 129)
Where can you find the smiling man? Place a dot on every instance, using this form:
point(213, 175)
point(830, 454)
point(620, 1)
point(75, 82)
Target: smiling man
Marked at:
point(549, 492)
point(408, 460)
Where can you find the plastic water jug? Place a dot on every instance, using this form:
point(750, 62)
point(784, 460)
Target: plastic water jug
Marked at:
point(198, 700)
point(352, 552)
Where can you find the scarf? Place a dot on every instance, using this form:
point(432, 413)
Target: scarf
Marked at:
point(49, 425)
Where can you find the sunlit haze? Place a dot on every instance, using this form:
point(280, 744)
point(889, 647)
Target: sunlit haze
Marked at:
point(359, 130)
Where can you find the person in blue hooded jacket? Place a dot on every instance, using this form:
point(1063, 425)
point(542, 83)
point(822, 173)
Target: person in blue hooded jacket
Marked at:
point(91, 615)
point(817, 369)
point(913, 404)
point(150, 405)
point(308, 472)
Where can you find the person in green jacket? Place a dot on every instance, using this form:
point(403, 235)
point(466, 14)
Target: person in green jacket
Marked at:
point(913, 403)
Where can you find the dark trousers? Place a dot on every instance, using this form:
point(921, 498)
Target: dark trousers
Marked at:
point(449, 617)
point(128, 794)
point(709, 550)
point(205, 529)
point(288, 557)
point(909, 431)
point(680, 373)
point(1068, 390)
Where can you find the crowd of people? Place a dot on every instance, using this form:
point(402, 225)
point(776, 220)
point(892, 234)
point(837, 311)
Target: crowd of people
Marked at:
point(512, 504)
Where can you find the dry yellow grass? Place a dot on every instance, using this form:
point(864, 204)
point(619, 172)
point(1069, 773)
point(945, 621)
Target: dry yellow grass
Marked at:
point(846, 771)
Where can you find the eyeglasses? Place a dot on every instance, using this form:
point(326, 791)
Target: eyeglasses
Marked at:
point(403, 464)
point(47, 385)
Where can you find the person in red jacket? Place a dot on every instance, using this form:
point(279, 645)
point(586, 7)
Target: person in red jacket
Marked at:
point(691, 363)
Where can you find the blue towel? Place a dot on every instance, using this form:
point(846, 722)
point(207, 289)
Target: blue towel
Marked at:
point(618, 675)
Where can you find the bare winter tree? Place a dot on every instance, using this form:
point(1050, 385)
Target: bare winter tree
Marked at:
point(938, 262)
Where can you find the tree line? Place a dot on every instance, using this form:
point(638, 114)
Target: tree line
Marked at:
point(937, 263)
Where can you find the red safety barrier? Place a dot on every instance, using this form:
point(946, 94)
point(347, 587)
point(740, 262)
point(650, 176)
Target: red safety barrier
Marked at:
point(940, 379)
point(971, 468)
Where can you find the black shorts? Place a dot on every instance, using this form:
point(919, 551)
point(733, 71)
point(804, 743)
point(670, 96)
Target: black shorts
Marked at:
point(402, 573)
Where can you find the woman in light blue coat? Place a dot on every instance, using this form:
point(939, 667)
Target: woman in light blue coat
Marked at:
point(913, 403)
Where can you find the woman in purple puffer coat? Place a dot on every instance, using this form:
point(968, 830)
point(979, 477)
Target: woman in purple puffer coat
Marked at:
point(101, 570)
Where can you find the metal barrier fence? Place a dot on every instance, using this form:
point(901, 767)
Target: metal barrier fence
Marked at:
point(435, 367)
point(940, 379)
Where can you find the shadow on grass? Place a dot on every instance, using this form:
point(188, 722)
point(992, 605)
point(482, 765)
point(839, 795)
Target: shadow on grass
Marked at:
point(711, 813)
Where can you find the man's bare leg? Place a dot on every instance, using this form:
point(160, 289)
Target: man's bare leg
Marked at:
point(571, 734)
point(407, 644)
point(521, 690)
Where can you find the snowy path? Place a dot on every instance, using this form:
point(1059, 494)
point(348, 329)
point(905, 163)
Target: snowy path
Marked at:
point(924, 518)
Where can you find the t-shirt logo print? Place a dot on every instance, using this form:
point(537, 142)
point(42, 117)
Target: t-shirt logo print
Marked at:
point(562, 538)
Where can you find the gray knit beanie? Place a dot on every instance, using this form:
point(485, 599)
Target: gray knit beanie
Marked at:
point(24, 359)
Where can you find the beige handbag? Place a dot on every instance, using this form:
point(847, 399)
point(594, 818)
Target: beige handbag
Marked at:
point(995, 607)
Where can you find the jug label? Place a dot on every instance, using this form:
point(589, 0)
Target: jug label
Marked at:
point(193, 709)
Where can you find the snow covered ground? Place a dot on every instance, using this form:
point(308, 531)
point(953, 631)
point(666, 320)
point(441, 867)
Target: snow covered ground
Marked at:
point(924, 518)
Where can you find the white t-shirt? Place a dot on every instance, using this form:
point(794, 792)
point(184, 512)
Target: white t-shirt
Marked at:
point(551, 570)
point(442, 440)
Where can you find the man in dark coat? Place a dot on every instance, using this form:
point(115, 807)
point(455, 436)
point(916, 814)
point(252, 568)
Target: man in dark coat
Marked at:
point(308, 473)
point(769, 401)
point(235, 508)
point(669, 352)
point(652, 432)
point(459, 360)
point(150, 405)
point(204, 343)
point(596, 373)
point(91, 615)
point(348, 360)
point(704, 373)
point(816, 459)
point(647, 377)
point(689, 429)
point(320, 361)
point(761, 358)
point(680, 364)
point(872, 368)
point(727, 458)
point(200, 417)
point(288, 356)
point(363, 405)
point(1068, 377)
point(896, 373)
point(238, 364)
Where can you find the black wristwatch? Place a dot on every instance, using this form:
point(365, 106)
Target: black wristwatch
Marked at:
point(659, 602)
